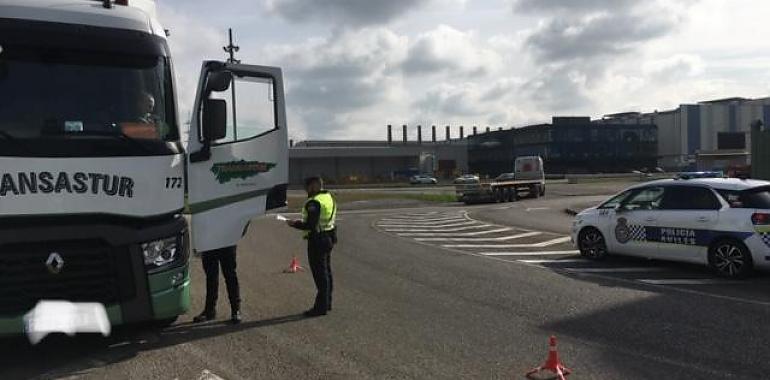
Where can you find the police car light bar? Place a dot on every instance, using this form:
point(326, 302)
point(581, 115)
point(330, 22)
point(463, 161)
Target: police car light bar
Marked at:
point(108, 3)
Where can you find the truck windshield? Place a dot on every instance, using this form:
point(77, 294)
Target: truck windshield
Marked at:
point(89, 98)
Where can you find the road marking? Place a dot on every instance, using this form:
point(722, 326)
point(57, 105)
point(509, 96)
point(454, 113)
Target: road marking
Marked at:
point(420, 222)
point(415, 220)
point(502, 238)
point(451, 234)
point(474, 227)
point(611, 270)
point(554, 261)
point(493, 246)
point(537, 209)
point(467, 223)
point(689, 281)
point(208, 375)
point(534, 253)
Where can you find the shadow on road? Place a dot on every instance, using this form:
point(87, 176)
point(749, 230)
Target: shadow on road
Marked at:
point(62, 356)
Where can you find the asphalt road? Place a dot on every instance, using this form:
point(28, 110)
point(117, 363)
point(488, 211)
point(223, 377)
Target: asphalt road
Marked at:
point(453, 307)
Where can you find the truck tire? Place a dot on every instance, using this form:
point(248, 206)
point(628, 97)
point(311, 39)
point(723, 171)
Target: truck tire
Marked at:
point(534, 191)
point(542, 190)
point(511, 195)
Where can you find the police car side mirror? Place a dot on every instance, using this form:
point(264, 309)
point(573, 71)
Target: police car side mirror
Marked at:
point(214, 119)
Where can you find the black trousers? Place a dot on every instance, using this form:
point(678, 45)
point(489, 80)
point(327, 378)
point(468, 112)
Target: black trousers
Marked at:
point(212, 260)
point(319, 249)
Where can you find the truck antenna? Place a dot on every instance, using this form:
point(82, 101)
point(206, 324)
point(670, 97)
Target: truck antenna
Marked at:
point(231, 49)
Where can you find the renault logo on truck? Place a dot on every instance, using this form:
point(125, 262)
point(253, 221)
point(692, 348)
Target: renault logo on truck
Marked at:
point(55, 263)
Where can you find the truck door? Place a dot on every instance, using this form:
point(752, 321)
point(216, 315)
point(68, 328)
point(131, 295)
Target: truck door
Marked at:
point(237, 164)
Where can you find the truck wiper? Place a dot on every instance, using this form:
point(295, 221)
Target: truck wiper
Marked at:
point(119, 135)
point(7, 136)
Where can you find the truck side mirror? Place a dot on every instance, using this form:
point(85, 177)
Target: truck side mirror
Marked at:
point(218, 81)
point(214, 119)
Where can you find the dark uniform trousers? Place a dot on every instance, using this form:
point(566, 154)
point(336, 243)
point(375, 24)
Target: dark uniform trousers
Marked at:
point(319, 249)
point(211, 263)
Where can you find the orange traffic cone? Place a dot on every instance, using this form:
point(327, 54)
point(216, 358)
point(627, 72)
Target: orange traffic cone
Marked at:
point(552, 363)
point(294, 267)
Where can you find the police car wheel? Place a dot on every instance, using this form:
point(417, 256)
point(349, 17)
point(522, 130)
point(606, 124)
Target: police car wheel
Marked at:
point(730, 258)
point(591, 244)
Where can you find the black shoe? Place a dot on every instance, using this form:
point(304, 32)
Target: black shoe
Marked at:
point(235, 317)
point(205, 317)
point(314, 313)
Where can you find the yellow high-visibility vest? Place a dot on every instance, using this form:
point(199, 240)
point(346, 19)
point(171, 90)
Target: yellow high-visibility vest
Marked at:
point(328, 215)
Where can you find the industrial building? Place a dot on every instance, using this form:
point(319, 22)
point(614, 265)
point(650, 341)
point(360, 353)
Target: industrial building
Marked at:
point(346, 162)
point(567, 145)
point(707, 135)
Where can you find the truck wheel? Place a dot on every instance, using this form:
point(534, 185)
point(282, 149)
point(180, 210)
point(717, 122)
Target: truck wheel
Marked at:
point(163, 323)
point(499, 195)
point(511, 195)
point(542, 190)
point(730, 258)
point(534, 191)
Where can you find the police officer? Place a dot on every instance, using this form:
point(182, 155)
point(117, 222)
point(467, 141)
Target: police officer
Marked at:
point(212, 260)
point(318, 217)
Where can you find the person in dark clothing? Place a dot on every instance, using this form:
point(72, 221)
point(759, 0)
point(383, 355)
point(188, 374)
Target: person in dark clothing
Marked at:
point(212, 260)
point(318, 222)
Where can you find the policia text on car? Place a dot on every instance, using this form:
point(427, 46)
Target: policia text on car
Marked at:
point(318, 222)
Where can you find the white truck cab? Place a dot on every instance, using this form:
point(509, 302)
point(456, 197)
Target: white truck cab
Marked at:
point(97, 171)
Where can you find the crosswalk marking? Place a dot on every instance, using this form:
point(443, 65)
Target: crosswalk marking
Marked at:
point(612, 270)
point(532, 253)
point(464, 223)
point(450, 234)
point(546, 243)
point(455, 218)
point(502, 238)
point(688, 281)
point(473, 227)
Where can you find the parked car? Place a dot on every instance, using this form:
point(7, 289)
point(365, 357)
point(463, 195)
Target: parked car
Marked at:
point(423, 179)
point(466, 178)
point(720, 222)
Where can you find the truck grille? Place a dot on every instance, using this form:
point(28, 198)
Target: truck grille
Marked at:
point(89, 274)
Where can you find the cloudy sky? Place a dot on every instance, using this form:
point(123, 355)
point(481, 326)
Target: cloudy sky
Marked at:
point(353, 66)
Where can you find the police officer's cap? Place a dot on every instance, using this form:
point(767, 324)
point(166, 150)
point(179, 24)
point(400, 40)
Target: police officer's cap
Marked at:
point(311, 180)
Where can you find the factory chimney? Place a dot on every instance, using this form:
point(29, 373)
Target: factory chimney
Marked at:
point(434, 133)
point(448, 133)
point(403, 132)
point(462, 133)
point(419, 134)
point(390, 134)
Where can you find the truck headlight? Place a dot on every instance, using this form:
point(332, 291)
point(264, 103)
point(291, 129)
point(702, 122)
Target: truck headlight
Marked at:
point(161, 252)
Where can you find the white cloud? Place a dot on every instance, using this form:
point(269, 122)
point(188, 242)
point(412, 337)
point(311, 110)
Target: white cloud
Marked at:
point(450, 51)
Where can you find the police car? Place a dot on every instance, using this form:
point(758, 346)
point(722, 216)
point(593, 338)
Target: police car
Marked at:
point(720, 222)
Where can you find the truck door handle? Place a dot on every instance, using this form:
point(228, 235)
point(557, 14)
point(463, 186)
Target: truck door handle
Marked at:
point(703, 219)
point(650, 219)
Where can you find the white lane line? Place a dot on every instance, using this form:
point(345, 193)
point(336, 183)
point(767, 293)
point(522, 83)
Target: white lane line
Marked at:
point(428, 226)
point(454, 234)
point(530, 209)
point(502, 238)
point(474, 227)
point(689, 281)
point(554, 261)
point(533, 253)
point(546, 243)
point(612, 270)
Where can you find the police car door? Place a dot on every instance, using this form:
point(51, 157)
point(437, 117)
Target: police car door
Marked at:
point(238, 151)
point(686, 221)
point(633, 220)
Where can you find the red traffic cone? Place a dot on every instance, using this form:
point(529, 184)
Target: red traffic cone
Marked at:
point(552, 363)
point(294, 266)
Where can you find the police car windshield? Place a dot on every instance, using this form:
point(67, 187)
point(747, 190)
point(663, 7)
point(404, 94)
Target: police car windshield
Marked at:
point(46, 94)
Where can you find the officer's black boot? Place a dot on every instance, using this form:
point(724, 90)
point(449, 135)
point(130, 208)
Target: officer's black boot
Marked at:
point(205, 316)
point(235, 315)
